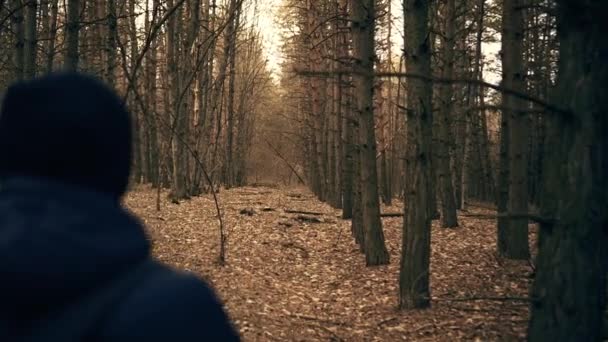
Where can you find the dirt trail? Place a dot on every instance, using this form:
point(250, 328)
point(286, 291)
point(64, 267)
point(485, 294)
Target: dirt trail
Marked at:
point(293, 280)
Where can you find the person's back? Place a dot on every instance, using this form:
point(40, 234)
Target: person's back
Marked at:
point(73, 262)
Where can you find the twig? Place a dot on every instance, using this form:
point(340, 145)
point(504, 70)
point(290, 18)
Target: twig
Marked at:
point(316, 319)
point(387, 320)
point(274, 149)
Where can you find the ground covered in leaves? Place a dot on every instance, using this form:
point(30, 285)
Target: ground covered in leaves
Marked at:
point(295, 277)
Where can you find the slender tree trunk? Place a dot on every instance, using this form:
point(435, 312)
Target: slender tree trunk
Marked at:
point(111, 42)
point(51, 36)
point(570, 284)
point(232, 31)
point(448, 204)
point(348, 167)
point(31, 42)
point(357, 223)
point(363, 16)
point(178, 188)
point(72, 35)
point(18, 29)
point(414, 289)
point(346, 122)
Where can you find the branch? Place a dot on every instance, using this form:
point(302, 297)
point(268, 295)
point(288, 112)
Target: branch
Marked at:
point(284, 160)
point(546, 105)
point(514, 216)
point(474, 298)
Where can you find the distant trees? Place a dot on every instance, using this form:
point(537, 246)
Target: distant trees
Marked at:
point(188, 70)
point(363, 125)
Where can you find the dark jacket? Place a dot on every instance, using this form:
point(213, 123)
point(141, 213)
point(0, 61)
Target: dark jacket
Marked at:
point(60, 242)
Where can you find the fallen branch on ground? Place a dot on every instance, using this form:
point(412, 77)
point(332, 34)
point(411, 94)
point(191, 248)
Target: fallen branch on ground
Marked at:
point(310, 219)
point(292, 211)
point(391, 215)
point(514, 216)
point(475, 298)
point(316, 319)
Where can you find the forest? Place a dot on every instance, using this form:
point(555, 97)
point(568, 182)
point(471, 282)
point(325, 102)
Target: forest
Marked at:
point(359, 170)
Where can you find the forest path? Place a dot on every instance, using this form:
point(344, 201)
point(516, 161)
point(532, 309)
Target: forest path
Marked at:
point(308, 281)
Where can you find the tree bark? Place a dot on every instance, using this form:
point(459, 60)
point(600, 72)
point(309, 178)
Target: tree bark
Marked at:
point(515, 242)
point(448, 204)
point(111, 42)
point(414, 291)
point(363, 16)
point(72, 35)
point(18, 28)
point(31, 42)
point(570, 282)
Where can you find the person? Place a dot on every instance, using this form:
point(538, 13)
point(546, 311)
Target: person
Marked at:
point(75, 265)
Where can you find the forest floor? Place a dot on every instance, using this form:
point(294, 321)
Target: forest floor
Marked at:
point(290, 280)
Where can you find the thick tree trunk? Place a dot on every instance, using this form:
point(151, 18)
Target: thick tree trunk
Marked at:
point(570, 283)
point(516, 239)
point(363, 16)
point(414, 291)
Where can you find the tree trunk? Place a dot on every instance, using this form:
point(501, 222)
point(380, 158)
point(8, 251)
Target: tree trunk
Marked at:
point(348, 168)
point(178, 188)
point(231, 31)
point(51, 36)
point(17, 26)
point(357, 224)
point(111, 43)
point(448, 204)
point(414, 289)
point(72, 33)
point(516, 239)
point(570, 282)
point(30, 50)
point(363, 16)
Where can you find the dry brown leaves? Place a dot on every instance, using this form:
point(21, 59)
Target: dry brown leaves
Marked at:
point(292, 280)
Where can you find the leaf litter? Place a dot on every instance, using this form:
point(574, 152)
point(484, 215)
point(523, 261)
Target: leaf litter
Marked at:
point(290, 279)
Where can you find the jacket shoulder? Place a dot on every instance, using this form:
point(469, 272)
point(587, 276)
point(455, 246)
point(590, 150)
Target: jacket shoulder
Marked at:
point(170, 305)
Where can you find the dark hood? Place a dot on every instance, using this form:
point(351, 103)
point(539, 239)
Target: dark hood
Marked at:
point(58, 241)
point(68, 127)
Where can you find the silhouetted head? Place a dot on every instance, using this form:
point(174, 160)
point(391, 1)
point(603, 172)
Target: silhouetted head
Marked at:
point(66, 127)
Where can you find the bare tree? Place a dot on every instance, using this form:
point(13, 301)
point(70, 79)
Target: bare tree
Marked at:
point(414, 289)
point(513, 243)
point(72, 34)
point(362, 25)
point(570, 283)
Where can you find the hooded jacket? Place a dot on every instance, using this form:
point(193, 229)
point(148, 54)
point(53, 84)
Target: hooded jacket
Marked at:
point(65, 237)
